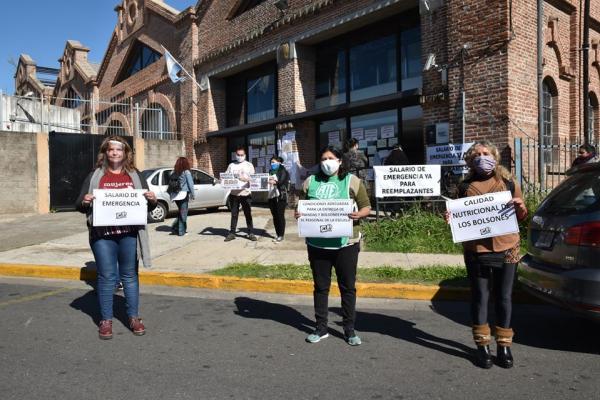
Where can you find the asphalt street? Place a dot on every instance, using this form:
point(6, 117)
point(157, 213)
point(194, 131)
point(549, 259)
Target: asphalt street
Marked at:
point(224, 345)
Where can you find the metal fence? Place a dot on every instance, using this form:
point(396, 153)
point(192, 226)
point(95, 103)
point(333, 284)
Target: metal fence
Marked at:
point(77, 115)
point(558, 155)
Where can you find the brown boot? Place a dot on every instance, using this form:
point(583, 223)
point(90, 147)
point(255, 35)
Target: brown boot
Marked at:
point(482, 335)
point(504, 338)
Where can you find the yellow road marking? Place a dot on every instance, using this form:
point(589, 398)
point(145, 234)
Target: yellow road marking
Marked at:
point(36, 296)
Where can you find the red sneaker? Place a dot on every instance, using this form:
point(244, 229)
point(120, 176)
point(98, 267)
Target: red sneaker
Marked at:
point(136, 325)
point(105, 329)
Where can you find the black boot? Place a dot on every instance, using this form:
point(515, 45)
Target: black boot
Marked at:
point(504, 357)
point(483, 358)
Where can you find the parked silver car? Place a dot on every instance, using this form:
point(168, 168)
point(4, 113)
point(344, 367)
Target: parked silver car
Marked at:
point(209, 193)
point(563, 261)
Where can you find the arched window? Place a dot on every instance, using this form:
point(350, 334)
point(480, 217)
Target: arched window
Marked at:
point(72, 99)
point(592, 118)
point(139, 58)
point(154, 123)
point(550, 118)
point(115, 128)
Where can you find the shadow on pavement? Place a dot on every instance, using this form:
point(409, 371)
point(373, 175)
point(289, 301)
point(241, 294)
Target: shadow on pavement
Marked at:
point(259, 309)
point(406, 330)
point(88, 304)
point(163, 228)
point(540, 326)
point(210, 231)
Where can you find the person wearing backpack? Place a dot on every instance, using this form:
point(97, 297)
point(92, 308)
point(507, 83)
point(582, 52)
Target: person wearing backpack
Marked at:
point(279, 179)
point(181, 189)
point(491, 260)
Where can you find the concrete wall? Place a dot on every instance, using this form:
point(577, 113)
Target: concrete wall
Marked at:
point(23, 172)
point(160, 153)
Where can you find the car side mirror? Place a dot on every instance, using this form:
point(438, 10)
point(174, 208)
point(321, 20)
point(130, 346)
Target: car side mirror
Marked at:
point(215, 181)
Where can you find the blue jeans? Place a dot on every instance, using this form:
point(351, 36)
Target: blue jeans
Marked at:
point(117, 255)
point(180, 224)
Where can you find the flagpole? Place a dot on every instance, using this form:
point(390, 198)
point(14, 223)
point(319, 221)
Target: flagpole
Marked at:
point(182, 68)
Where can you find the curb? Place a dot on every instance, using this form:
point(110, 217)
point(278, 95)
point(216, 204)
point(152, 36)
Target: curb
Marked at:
point(206, 281)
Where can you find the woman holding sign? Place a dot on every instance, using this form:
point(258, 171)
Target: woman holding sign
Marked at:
point(116, 248)
point(493, 259)
point(333, 182)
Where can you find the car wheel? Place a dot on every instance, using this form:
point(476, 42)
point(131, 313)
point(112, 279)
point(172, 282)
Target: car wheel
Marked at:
point(159, 213)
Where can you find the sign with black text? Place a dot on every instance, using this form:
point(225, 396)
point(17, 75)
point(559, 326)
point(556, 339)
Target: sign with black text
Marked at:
point(231, 181)
point(407, 180)
point(118, 207)
point(325, 218)
point(479, 217)
point(259, 182)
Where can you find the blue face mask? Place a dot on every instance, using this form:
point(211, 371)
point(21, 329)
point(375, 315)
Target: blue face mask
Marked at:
point(274, 165)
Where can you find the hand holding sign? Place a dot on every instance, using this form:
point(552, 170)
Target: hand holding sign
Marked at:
point(324, 218)
point(479, 217)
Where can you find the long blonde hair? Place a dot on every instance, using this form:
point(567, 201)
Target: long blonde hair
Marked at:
point(500, 171)
point(128, 160)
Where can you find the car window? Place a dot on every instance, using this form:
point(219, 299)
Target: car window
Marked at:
point(580, 193)
point(165, 176)
point(154, 180)
point(200, 178)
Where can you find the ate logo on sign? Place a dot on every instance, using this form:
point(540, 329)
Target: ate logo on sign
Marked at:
point(327, 191)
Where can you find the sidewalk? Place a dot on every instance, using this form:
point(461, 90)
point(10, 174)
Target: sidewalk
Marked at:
point(180, 260)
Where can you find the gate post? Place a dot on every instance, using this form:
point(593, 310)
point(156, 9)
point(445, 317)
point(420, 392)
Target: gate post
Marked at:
point(519, 161)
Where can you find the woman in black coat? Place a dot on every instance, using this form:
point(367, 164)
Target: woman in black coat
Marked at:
point(279, 180)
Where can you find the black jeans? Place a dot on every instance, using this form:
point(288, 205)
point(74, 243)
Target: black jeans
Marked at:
point(278, 212)
point(344, 261)
point(481, 269)
point(246, 202)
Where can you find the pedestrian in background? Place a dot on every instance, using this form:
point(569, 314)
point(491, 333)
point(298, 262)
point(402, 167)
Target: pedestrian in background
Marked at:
point(354, 159)
point(279, 179)
point(334, 182)
point(491, 261)
point(242, 169)
point(116, 249)
point(586, 154)
point(183, 175)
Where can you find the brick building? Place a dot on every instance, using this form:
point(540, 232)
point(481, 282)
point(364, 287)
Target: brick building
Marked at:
point(329, 70)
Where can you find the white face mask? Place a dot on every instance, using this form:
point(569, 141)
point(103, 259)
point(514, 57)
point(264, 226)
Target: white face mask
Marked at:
point(330, 167)
point(240, 158)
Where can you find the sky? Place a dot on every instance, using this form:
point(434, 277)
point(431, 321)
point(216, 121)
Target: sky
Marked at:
point(41, 29)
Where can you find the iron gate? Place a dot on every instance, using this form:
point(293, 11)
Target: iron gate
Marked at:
point(72, 158)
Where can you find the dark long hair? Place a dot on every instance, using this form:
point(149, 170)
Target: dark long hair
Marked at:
point(342, 172)
point(182, 164)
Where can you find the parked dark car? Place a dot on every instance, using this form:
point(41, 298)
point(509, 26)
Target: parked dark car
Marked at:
point(563, 261)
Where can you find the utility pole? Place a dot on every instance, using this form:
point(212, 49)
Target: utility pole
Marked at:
point(586, 71)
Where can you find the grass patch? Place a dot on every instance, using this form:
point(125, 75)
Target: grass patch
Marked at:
point(431, 275)
point(417, 231)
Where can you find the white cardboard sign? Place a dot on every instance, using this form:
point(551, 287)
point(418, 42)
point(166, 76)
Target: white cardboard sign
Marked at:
point(407, 180)
point(118, 207)
point(479, 217)
point(448, 154)
point(325, 218)
point(259, 182)
point(230, 181)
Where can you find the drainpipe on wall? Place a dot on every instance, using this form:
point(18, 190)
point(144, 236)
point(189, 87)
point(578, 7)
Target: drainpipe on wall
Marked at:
point(586, 71)
point(540, 76)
